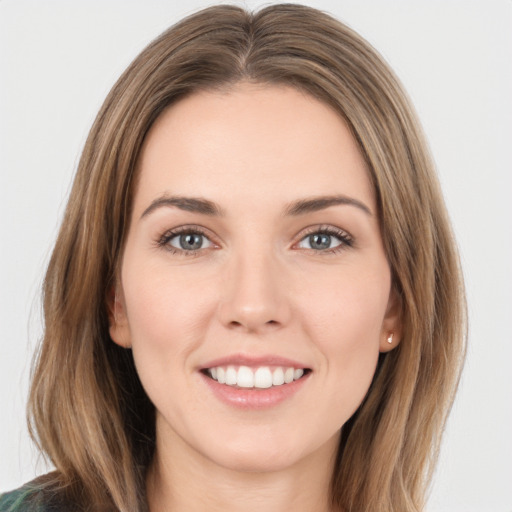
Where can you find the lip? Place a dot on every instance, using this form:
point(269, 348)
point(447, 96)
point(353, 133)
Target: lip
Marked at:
point(253, 398)
point(253, 361)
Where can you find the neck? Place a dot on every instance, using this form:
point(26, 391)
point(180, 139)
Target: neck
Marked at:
point(195, 483)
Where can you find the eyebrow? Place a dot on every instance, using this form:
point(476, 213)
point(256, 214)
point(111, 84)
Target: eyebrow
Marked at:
point(315, 204)
point(296, 208)
point(188, 204)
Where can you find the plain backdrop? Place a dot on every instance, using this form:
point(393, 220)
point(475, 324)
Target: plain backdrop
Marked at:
point(58, 60)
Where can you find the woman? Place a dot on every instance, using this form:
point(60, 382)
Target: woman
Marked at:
point(255, 297)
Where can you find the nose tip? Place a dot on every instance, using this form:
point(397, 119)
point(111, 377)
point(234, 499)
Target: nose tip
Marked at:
point(254, 298)
point(252, 320)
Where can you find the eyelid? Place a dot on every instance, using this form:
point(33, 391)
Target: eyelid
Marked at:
point(163, 240)
point(347, 240)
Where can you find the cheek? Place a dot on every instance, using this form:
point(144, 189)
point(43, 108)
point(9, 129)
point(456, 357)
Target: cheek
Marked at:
point(167, 317)
point(348, 308)
point(167, 313)
point(346, 324)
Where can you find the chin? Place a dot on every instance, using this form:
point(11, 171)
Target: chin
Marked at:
point(257, 461)
point(267, 454)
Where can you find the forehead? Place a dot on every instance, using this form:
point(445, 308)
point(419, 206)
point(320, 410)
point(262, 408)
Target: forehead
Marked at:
point(252, 144)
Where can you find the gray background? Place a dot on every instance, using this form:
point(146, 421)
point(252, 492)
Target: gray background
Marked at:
point(58, 59)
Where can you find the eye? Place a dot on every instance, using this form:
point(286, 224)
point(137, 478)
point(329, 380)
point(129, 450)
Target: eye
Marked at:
point(326, 240)
point(319, 242)
point(185, 240)
point(189, 241)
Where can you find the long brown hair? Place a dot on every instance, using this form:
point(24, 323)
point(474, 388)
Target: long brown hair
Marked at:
point(87, 409)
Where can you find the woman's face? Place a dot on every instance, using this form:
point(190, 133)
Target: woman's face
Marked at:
point(254, 288)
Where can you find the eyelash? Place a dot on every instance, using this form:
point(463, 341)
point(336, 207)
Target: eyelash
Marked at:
point(347, 241)
point(164, 240)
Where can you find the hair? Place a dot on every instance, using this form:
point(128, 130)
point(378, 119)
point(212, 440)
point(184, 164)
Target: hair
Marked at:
point(87, 409)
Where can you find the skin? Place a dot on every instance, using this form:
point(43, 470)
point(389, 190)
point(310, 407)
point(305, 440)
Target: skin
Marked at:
point(256, 287)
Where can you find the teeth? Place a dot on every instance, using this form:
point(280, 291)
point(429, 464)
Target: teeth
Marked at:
point(278, 377)
point(231, 376)
point(262, 377)
point(288, 375)
point(245, 377)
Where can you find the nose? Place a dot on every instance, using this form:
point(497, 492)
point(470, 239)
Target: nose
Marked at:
point(254, 295)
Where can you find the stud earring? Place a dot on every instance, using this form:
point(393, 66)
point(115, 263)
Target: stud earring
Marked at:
point(390, 338)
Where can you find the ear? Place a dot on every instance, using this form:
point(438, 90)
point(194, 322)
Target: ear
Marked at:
point(391, 333)
point(118, 322)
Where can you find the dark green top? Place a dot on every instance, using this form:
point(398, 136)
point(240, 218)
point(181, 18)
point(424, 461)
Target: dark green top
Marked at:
point(13, 501)
point(29, 498)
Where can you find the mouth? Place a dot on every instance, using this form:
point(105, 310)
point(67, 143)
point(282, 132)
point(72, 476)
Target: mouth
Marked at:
point(261, 377)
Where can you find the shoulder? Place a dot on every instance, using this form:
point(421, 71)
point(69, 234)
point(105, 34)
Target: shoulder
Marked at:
point(14, 501)
point(32, 497)
point(19, 500)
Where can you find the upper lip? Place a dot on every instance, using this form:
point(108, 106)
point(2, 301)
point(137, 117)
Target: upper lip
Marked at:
point(253, 361)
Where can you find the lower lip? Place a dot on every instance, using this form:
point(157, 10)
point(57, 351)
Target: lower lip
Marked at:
point(253, 398)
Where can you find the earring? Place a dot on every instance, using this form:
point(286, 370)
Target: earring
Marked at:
point(390, 338)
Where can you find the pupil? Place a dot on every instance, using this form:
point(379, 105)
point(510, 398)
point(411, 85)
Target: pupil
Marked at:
point(191, 241)
point(320, 241)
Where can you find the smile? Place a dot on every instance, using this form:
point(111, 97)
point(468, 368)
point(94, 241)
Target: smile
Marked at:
point(262, 377)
